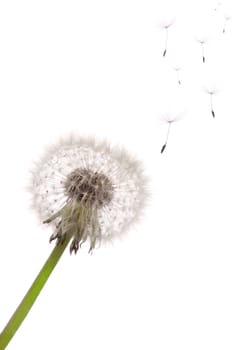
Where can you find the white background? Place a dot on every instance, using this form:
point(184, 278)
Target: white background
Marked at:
point(95, 67)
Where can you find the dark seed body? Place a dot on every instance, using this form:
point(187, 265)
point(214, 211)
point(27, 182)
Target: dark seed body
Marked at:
point(87, 186)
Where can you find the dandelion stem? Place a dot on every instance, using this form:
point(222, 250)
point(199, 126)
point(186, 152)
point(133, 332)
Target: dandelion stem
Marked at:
point(169, 125)
point(203, 55)
point(32, 294)
point(166, 43)
point(224, 28)
point(178, 76)
point(166, 140)
point(211, 105)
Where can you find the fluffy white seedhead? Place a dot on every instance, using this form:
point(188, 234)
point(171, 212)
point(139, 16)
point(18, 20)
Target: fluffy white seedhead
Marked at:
point(169, 117)
point(202, 39)
point(211, 89)
point(86, 189)
point(177, 67)
point(167, 22)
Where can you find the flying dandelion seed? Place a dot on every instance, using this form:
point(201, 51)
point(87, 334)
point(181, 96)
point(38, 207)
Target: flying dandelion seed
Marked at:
point(227, 18)
point(217, 6)
point(169, 118)
point(177, 70)
point(202, 41)
point(87, 188)
point(211, 92)
point(166, 25)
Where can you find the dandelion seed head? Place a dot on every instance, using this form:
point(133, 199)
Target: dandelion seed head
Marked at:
point(170, 117)
point(211, 89)
point(167, 22)
point(174, 107)
point(227, 16)
point(177, 67)
point(88, 188)
point(201, 39)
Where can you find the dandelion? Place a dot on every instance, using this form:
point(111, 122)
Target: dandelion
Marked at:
point(227, 18)
point(84, 186)
point(166, 25)
point(169, 118)
point(202, 40)
point(211, 91)
point(87, 191)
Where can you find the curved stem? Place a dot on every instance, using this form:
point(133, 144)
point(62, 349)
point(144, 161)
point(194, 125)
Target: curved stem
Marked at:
point(32, 294)
point(169, 126)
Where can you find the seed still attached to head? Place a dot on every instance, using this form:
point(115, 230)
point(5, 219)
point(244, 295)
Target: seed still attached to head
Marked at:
point(88, 190)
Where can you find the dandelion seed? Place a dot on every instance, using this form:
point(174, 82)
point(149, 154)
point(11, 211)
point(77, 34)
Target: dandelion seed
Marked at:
point(217, 6)
point(169, 118)
point(211, 92)
point(202, 41)
point(165, 25)
point(87, 188)
point(227, 18)
point(177, 69)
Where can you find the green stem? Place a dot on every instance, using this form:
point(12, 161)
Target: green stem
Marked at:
point(32, 294)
